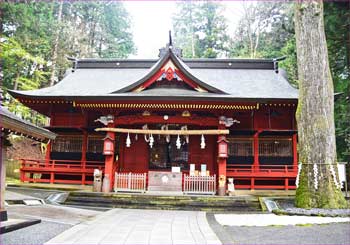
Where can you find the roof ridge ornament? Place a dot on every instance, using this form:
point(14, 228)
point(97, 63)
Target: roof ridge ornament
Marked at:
point(170, 48)
point(170, 40)
point(275, 63)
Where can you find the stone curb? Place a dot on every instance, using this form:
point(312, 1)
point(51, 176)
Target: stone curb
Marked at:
point(273, 207)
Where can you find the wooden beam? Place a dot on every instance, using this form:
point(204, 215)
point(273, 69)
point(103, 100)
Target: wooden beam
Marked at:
point(165, 132)
point(178, 119)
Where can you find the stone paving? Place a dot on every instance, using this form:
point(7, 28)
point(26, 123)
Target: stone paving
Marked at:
point(132, 226)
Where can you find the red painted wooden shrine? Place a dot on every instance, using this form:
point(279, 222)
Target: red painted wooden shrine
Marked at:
point(252, 99)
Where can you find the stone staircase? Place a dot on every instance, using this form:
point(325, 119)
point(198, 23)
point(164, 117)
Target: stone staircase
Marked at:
point(164, 202)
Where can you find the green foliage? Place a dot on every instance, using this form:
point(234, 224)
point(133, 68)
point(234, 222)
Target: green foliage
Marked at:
point(337, 26)
point(20, 66)
point(270, 27)
point(85, 29)
point(263, 30)
point(115, 34)
point(201, 29)
point(290, 63)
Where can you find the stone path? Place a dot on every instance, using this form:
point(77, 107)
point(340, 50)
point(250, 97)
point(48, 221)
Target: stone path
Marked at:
point(132, 226)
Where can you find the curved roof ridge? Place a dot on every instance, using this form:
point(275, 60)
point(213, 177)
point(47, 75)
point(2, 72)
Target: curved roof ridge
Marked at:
point(169, 54)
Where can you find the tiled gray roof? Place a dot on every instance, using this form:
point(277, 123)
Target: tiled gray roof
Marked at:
point(232, 79)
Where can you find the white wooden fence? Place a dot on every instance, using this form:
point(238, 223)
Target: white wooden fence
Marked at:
point(130, 182)
point(199, 184)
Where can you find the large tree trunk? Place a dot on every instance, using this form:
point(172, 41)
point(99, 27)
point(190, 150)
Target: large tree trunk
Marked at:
point(55, 44)
point(319, 183)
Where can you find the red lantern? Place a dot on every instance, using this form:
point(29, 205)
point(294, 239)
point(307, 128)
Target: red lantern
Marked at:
point(108, 146)
point(222, 148)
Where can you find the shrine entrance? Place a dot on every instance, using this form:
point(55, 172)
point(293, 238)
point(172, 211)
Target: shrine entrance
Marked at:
point(169, 153)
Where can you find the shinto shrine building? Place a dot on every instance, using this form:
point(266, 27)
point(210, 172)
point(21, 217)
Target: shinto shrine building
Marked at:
point(228, 118)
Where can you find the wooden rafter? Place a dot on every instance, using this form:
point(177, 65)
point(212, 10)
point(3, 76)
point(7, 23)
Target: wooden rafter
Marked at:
point(165, 132)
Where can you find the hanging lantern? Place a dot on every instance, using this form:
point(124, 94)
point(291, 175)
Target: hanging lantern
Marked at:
point(128, 141)
point(222, 147)
point(151, 140)
point(108, 146)
point(202, 142)
point(178, 142)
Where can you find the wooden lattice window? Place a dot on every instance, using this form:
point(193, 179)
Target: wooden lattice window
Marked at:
point(165, 154)
point(240, 147)
point(275, 147)
point(67, 143)
point(95, 144)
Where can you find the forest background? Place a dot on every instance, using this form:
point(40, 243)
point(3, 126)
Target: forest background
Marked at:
point(37, 37)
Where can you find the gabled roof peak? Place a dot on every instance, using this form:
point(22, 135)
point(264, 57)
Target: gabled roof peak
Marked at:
point(170, 66)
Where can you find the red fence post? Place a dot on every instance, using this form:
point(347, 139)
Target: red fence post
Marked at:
point(286, 184)
point(52, 177)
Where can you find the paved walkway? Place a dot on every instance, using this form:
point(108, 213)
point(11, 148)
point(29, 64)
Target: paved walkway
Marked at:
point(132, 226)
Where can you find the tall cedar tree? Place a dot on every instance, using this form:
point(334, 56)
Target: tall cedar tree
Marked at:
point(201, 29)
point(37, 37)
point(319, 184)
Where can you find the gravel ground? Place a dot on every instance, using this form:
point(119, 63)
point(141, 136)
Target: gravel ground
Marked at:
point(315, 234)
point(35, 234)
point(334, 233)
point(287, 205)
point(54, 219)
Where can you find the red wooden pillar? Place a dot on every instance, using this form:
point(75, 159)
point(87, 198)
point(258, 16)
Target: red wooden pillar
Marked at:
point(295, 152)
point(49, 145)
point(256, 150)
point(222, 166)
point(47, 161)
point(48, 153)
point(83, 156)
point(109, 141)
point(22, 174)
point(222, 157)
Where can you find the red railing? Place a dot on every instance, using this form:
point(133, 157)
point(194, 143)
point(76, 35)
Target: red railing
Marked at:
point(250, 170)
point(79, 169)
point(260, 173)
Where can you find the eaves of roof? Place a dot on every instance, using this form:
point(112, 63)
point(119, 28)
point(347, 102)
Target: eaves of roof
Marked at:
point(16, 124)
point(204, 97)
